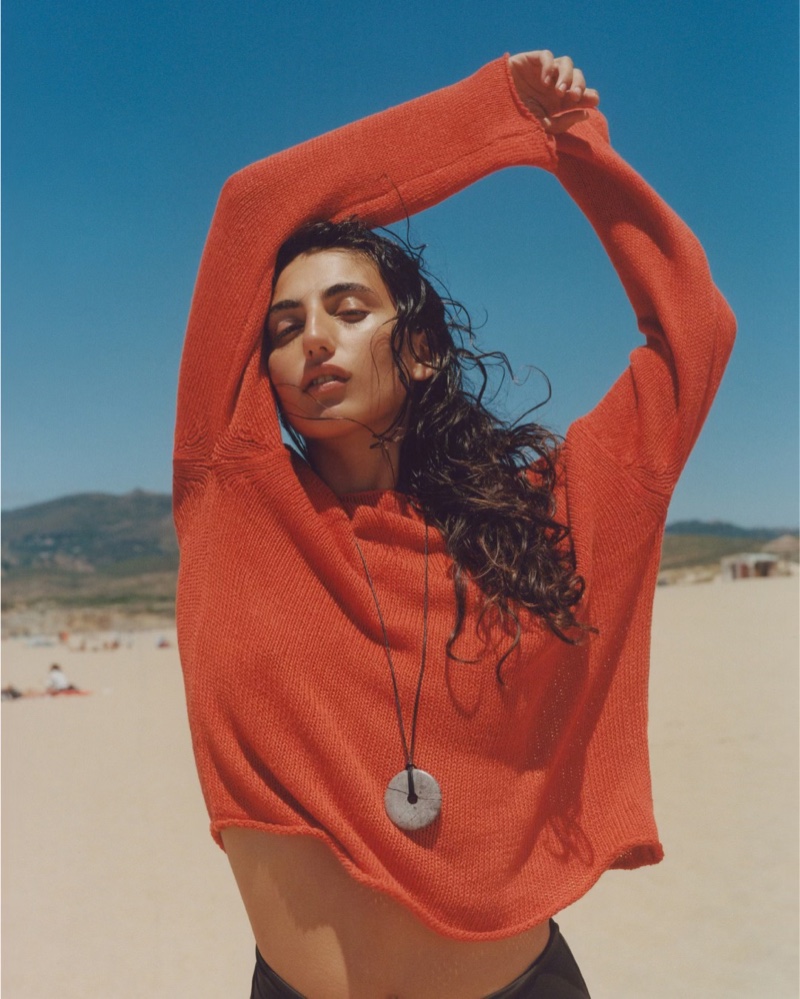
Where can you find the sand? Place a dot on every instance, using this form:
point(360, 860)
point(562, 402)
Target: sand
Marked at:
point(113, 888)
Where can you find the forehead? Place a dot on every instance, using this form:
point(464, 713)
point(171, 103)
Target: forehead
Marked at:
point(322, 269)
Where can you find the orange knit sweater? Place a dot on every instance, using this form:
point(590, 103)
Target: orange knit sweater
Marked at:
point(545, 781)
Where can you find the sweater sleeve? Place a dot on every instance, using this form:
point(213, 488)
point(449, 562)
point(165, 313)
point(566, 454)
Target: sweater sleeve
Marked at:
point(382, 168)
point(649, 420)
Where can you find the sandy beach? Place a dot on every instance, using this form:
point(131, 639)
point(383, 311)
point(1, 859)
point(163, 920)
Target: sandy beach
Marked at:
point(113, 888)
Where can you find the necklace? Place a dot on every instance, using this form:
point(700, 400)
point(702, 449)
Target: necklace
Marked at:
point(413, 797)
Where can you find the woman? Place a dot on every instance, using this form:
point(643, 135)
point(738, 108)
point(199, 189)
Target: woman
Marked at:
point(416, 679)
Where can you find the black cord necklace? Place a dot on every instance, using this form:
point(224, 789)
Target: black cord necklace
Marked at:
point(413, 797)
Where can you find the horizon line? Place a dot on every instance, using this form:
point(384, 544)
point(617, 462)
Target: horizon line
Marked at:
point(168, 495)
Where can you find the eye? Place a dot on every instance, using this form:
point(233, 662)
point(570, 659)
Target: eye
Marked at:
point(285, 331)
point(352, 315)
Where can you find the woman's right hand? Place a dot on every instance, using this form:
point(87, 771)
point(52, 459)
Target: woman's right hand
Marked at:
point(553, 89)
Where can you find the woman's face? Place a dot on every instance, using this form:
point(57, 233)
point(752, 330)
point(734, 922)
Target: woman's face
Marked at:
point(330, 360)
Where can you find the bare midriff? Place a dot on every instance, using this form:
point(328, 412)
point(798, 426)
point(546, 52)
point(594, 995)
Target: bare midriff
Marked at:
point(331, 937)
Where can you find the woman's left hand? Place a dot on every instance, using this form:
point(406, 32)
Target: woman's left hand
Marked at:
point(553, 89)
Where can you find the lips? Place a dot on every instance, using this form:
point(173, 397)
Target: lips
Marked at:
point(324, 379)
point(326, 374)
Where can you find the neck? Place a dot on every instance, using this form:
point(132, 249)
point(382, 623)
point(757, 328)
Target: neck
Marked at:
point(345, 469)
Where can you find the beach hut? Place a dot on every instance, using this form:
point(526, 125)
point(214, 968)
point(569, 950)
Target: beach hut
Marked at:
point(747, 565)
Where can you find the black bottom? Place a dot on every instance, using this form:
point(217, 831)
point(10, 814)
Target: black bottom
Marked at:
point(553, 975)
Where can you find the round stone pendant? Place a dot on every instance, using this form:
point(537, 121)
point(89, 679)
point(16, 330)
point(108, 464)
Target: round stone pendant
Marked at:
point(413, 803)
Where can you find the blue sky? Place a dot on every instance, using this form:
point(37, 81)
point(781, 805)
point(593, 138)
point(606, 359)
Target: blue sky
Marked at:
point(121, 122)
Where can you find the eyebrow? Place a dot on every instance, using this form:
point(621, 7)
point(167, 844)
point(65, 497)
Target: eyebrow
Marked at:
point(335, 289)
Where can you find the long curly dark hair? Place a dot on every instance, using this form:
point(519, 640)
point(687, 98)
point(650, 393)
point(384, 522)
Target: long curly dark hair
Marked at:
point(486, 483)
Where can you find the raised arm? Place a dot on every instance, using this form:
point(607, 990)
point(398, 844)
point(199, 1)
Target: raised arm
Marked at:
point(381, 168)
point(649, 420)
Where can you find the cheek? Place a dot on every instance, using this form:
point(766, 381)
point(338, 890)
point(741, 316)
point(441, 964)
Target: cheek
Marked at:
point(380, 360)
point(279, 371)
point(284, 382)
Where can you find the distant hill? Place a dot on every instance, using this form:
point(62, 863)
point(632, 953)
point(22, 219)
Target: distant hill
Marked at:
point(691, 544)
point(91, 550)
point(96, 550)
point(721, 529)
point(92, 531)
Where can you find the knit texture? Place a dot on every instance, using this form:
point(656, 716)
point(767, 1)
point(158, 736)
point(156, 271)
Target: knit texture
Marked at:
point(545, 780)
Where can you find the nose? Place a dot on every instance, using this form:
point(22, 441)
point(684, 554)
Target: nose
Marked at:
point(318, 333)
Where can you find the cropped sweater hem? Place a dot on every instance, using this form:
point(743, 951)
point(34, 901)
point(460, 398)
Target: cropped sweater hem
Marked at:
point(629, 855)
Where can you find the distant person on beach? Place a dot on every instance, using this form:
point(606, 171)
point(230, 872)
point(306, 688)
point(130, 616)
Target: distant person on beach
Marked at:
point(415, 644)
point(58, 682)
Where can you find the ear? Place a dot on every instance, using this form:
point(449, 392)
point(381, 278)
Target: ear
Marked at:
point(421, 368)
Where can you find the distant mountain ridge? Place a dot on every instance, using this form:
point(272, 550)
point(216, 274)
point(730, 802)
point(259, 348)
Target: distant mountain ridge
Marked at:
point(92, 531)
point(692, 544)
point(721, 529)
point(120, 552)
point(93, 551)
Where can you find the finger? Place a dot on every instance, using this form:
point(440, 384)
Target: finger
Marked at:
point(578, 84)
point(589, 99)
point(549, 70)
point(564, 80)
point(564, 121)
